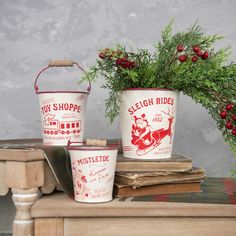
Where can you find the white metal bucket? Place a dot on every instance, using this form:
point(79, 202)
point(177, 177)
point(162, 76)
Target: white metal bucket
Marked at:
point(93, 171)
point(62, 112)
point(147, 121)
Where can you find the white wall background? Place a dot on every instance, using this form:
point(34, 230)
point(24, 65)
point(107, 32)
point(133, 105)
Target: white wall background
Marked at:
point(33, 32)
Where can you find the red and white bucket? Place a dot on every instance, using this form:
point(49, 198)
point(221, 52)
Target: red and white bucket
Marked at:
point(93, 171)
point(62, 112)
point(147, 121)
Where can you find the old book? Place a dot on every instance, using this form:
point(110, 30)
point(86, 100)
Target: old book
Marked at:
point(128, 191)
point(151, 178)
point(176, 163)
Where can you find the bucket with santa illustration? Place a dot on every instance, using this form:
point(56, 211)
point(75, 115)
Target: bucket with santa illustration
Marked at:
point(147, 122)
point(62, 112)
point(93, 171)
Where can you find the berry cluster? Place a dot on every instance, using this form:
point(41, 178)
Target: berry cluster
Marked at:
point(125, 63)
point(230, 116)
point(110, 54)
point(194, 57)
point(119, 57)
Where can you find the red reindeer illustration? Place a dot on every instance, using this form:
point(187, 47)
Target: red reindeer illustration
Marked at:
point(159, 134)
point(144, 138)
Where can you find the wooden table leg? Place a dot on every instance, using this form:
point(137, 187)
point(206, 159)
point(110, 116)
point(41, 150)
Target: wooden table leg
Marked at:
point(23, 224)
point(24, 179)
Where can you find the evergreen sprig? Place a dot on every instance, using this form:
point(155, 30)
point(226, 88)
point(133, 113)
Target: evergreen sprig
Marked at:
point(185, 61)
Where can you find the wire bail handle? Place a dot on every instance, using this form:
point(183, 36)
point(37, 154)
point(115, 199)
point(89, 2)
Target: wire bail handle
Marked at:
point(59, 63)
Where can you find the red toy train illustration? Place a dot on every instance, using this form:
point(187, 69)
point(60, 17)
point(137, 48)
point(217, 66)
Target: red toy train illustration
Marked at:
point(54, 126)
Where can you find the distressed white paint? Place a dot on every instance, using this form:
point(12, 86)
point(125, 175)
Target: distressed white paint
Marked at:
point(23, 203)
point(33, 32)
point(19, 195)
point(21, 222)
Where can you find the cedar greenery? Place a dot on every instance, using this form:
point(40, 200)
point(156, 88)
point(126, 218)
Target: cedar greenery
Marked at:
point(177, 63)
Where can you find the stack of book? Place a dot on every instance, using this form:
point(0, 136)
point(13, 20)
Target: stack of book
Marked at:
point(148, 177)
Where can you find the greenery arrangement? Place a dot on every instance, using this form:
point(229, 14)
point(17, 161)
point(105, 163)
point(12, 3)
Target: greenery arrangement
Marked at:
point(186, 62)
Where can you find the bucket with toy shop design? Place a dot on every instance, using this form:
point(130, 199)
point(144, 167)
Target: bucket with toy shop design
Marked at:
point(93, 171)
point(147, 121)
point(62, 112)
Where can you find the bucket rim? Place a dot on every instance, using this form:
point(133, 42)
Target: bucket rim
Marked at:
point(84, 92)
point(164, 89)
point(92, 148)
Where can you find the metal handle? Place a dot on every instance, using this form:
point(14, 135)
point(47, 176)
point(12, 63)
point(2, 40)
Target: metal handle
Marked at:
point(59, 63)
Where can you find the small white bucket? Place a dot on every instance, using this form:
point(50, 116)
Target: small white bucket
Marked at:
point(62, 112)
point(147, 121)
point(93, 171)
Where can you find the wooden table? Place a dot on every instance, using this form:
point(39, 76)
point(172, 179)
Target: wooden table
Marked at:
point(27, 174)
point(57, 215)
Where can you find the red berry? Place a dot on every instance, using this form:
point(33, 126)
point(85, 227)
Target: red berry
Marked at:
point(101, 55)
point(229, 106)
point(234, 117)
point(196, 49)
point(233, 132)
point(223, 114)
point(118, 62)
point(194, 58)
point(127, 64)
point(229, 125)
point(205, 55)
point(121, 61)
point(183, 58)
point(180, 48)
point(199, 53)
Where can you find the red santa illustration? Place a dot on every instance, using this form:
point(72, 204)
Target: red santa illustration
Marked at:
point(146, 139)
point(142, 134)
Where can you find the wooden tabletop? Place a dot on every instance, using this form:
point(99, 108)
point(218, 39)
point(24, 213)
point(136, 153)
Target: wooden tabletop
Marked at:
point(21, 155)
point(21, 150)
point(59, 205)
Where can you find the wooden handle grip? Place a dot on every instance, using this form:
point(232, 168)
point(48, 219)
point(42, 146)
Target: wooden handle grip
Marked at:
point(60, 63)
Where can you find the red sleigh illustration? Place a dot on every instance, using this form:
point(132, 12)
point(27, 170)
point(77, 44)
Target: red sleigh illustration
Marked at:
point(144, 138)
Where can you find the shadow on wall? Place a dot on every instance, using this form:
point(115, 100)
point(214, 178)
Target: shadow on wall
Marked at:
point(7, 214)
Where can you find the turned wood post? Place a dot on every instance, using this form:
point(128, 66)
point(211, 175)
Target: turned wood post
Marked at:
point(24, 178)
point(23, 199)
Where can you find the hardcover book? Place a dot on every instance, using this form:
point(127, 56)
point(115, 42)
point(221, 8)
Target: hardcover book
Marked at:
point(176, 163)
point(139, 179)
point(128, 191)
